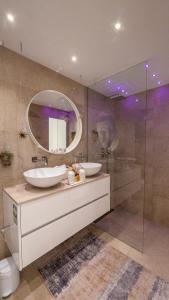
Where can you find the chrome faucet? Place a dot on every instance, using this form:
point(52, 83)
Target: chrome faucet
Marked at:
point(43, 159)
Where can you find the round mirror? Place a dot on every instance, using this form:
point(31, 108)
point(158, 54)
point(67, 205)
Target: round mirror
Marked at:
point(54, 122)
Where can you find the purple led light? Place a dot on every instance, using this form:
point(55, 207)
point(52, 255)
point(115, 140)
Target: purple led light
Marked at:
point(147, 66)
point(126, 93)
point(109, 81)
point(159, 82)
point(118, 88)
point(123, 91)
point(137, 100)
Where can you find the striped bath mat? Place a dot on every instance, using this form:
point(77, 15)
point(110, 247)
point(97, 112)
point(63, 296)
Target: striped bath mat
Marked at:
point(87, 267)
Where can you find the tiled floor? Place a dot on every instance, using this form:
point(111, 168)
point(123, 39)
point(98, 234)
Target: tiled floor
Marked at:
point(32, 286)
point(124, 226)
point(152, 240)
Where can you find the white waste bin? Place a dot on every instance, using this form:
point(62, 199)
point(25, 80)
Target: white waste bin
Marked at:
point(9, 277)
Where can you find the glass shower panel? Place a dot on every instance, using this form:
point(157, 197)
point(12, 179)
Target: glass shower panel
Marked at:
point(116, 131)
point(156, 212)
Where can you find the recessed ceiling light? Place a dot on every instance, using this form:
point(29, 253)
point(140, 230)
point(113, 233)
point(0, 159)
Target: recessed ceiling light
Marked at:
point(117, 26)
point(10, 18)
point(74, 58)
point(154, 75)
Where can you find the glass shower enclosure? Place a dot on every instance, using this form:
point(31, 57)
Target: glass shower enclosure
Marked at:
point(117, 138)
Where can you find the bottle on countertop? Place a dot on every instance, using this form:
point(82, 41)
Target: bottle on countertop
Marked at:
point(82, 174)
point(76, 171)
point(71, 177)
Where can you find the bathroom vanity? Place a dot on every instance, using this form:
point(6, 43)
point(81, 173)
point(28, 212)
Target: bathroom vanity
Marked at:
point(37, 220)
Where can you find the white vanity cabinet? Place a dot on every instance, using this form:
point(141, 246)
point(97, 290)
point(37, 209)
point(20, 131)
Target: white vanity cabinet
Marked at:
point(38, 220)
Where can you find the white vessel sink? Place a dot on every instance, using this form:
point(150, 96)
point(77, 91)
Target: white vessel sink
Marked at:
point(90, 168)
point(45, 177)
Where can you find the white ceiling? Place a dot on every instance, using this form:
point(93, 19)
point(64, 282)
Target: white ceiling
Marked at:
point(52, 31)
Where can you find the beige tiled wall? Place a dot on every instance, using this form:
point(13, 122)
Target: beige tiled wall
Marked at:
point(20, 79)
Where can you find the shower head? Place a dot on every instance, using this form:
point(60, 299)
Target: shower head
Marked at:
point(117, 96)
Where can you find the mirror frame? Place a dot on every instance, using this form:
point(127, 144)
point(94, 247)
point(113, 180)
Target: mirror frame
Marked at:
point(78, 135)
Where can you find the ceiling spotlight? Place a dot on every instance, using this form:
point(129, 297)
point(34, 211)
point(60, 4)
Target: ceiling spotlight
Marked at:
point(74, 58)
point(154, 75)
point(10, 18)
point(117, 26)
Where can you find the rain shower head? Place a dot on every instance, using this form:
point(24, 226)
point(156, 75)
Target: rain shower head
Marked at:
point(117, 96)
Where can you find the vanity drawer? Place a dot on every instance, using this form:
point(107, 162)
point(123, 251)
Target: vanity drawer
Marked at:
point(46, 238)
point(40, 212)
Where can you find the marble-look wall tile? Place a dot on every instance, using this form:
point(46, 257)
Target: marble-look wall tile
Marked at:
point(161, 176)
point(160, 152)
point(160, 210)
point(161, 190)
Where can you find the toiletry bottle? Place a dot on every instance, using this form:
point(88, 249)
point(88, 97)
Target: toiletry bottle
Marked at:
point(82, 174)
point(77, 177)
point(71, 177)
point(76, 171)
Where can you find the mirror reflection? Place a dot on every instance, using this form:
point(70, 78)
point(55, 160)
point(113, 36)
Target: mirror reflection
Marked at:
point(53, 121)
